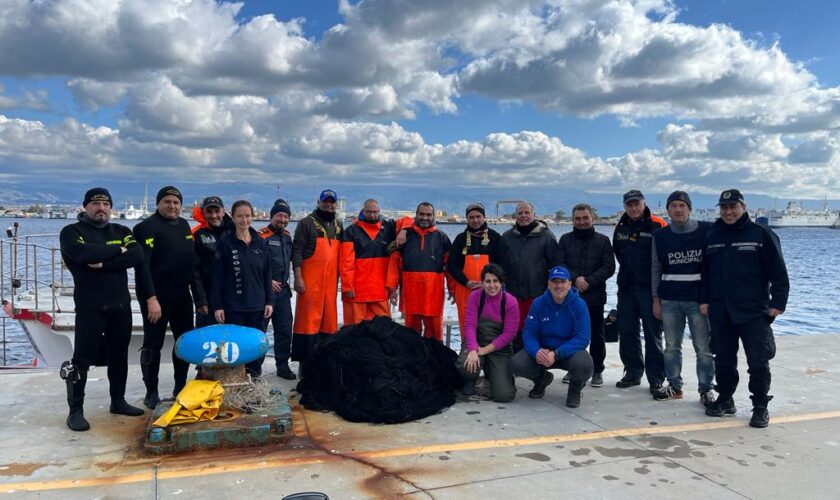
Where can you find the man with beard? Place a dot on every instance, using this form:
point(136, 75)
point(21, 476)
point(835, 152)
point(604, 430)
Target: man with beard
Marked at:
point(632, 241)
point(473, 249)
point(315, 254)
point(280, 251)
point(744, 288)
point(419, 266)
point(98, 254)
point(588, 255)
point(169, 272)
point(364, 265)
point(531, 252)
point(205, 235)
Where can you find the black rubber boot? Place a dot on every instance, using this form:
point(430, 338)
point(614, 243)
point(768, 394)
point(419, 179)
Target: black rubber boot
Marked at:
point(469, 388)
point(760, 416)
point(723, 406)
point(573, 396)
point(76, 401)
point(121, 407)
point(150, 366)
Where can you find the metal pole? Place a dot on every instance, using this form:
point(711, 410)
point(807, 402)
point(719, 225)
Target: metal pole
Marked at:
point(53, 284)
point(35, 272)
point(25, 259)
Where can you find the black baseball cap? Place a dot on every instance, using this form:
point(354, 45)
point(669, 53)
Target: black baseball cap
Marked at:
point(730, 197)
point(212, 201)
point(633, 194)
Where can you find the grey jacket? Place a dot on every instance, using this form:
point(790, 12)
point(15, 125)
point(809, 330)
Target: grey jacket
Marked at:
point(529, 259)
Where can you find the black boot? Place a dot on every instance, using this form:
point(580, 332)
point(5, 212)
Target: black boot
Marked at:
point(573, 396)
point(121, 407)
point(76, 401)
point(540, 384)
point(760, 417)
point(150, 366)
point(723, 406)
point(469, 388)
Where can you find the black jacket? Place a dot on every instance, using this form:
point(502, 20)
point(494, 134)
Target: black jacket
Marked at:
point(632, 242)
point(83, 244)
point(588, 254)
point(204, 240)
point(169, 260)
point(241, 274)
point(744, 272)
point(529, 259)
point(280, 252)
point(495, 248)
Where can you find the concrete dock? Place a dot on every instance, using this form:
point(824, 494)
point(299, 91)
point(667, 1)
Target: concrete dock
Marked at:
point(620, 443)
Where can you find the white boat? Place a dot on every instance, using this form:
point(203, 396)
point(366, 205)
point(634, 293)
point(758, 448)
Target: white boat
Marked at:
point(133, 213)
point(38, 292)
point(794, 215)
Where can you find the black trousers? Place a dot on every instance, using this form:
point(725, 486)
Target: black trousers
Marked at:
point(251, 319)
point(636, 304)
point(281, 322)
point(177, 314)
point(759, 346)
point(597, 342)
point(102, 336)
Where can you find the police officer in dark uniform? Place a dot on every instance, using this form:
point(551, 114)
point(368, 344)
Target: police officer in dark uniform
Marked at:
point(98, 253)
point(632, 242)
point(280, 250)
point(744, 288)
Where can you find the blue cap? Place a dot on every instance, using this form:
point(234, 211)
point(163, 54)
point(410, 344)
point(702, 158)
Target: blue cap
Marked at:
point(328, 193)
point(559, 273)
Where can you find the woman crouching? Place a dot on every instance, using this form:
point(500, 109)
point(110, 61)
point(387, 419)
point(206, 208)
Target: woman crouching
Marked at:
point(489, 328)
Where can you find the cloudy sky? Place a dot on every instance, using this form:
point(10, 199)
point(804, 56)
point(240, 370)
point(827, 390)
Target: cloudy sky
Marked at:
point(599, 95)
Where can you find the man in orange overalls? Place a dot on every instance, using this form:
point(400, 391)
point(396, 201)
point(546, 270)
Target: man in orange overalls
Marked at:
point(473, 249)
point(419, 266)
point(315, 256)
point(364, 265)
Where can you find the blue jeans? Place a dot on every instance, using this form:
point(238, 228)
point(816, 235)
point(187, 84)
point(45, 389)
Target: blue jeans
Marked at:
point(674, 316)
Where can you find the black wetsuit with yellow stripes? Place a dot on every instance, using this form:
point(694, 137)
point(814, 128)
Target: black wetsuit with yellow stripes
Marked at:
point(93, 252)
point(169, 273)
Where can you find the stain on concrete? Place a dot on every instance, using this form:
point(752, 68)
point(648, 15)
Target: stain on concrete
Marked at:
point(671, 465)
point(780, 457)
point(814, 371)
point(767, 447)
point(653, 423)
point(314, 476)
point(700, 443)
point(610, 478)
point(581, 452)
point(443, 457)
point(473, 412)
point(539, 457)
point(24, 469)
point(770, 464)
point(560, 447)
point(753, 455)
point(739, 461)
point(646, 462)
point(697, 478)
point(642, 470)
point(628, 483)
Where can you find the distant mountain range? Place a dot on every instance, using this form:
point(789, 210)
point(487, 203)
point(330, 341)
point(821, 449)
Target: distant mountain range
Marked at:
point(452, 199)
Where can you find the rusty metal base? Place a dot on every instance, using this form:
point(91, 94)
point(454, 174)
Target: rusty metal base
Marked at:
point(272, 425)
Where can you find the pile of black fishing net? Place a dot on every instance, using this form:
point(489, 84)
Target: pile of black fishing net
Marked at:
point(379, 371)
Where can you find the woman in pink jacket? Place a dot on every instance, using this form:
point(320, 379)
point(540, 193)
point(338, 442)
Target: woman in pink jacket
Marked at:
point(492, 320)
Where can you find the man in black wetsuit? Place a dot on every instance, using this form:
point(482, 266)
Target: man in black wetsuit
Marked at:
point(168, 274)
point(98, 253)
point(205, 237)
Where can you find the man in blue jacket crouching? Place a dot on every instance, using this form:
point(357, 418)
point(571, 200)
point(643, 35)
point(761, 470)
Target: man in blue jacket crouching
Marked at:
point(556, 335)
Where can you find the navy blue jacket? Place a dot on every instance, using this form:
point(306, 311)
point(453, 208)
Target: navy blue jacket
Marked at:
point(280, 250)
point(632, 246)
point(563, 328)
point(241, 274)
point(744, 273)
point(680, 257)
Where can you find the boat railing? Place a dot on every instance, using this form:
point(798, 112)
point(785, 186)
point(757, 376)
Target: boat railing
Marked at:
point(28, 263)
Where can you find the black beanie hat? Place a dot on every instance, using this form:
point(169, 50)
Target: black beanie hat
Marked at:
point(679, 196)
point(97, 194)
point(166, 191)
point(280, 206)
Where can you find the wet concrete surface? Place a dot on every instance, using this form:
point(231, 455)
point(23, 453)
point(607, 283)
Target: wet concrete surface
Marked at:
point(619, 443)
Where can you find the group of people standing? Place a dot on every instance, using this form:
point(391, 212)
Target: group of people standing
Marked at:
point(527, 302)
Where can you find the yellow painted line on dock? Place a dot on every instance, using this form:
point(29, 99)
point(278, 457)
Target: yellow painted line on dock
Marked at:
point(203, 470)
